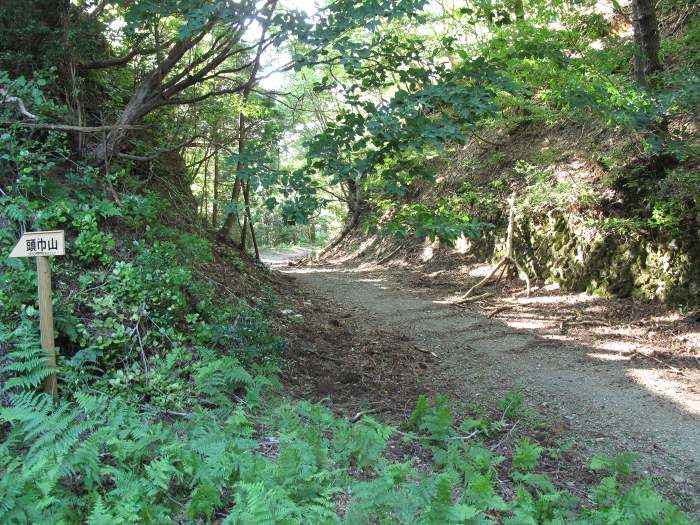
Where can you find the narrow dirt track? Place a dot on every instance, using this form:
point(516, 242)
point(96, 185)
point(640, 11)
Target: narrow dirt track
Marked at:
point(596, 399)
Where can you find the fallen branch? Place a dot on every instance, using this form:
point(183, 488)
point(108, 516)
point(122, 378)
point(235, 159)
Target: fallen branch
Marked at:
point(500, 275)
point(9, 99)
point(499, 310)
point(175, 413)
point(425, 351)
point(462, 302)
point(672, 368)
point(464, 438)
point(482, 139)
point(388, 257)
point(586, 322)
point(569, 322)
point(361, 414)
point(510, 432)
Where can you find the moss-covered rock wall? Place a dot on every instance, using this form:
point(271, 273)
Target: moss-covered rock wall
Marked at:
point(584, 256)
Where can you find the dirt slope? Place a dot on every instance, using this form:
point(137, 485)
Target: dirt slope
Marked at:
point(597, 400)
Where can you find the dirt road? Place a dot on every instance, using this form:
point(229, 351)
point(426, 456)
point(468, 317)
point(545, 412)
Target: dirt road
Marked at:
point(596, 395)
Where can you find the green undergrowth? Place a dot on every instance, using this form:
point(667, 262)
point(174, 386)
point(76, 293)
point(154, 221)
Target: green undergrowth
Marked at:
point(235, 452)
point(169, 408)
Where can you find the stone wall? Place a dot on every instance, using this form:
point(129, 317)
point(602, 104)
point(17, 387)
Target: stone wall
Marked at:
point(562, 248)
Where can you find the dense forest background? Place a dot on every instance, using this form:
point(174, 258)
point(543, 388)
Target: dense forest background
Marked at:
point(174, 139)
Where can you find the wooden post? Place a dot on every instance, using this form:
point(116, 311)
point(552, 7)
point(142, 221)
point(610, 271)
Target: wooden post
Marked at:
point(43, 269)
point(43, 245)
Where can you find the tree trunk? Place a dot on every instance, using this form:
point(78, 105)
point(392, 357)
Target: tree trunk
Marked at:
point(231, 219)
point(147, 97)
point(312, 231)
point(215, 204)
point(253, 238)
point(646, 39)
point(519, 10)
point(244, 233)
point(70, 73)
point(349, 227)
point(204, 203)
point(249, 219)
point(355, 208)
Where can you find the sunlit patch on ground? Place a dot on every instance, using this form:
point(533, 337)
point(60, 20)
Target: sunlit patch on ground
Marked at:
point(620, 347)
point(568, 299)
point(476, 270)
point(608, 357)
point(429, 250)
point(312, 269)
point(462, 245)
point(556, 337)
point(532, 324)
point(371, 280)
point(656, 380)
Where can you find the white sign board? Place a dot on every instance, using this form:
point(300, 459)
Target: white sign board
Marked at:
point(33, 244)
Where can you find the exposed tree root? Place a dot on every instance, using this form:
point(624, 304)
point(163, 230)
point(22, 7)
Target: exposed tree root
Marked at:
point(473, 299)
point(499, 310)
point(387, 258)
point(508, 260)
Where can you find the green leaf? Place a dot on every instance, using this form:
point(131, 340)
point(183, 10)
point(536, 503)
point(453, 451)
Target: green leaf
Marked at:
point(526, 454)
point(204, 501)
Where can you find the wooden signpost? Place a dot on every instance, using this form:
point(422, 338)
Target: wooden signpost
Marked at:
point(43, 245)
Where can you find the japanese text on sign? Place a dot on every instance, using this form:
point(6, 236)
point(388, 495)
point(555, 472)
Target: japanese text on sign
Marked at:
point(33, 244)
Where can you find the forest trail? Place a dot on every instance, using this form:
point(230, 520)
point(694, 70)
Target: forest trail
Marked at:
point(278, 258)
point(597, 399)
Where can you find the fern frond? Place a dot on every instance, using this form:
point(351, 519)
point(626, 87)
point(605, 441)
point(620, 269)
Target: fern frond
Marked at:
point(25, 367)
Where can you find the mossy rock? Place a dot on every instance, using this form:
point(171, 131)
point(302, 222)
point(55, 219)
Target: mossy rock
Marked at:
point(560, 248)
